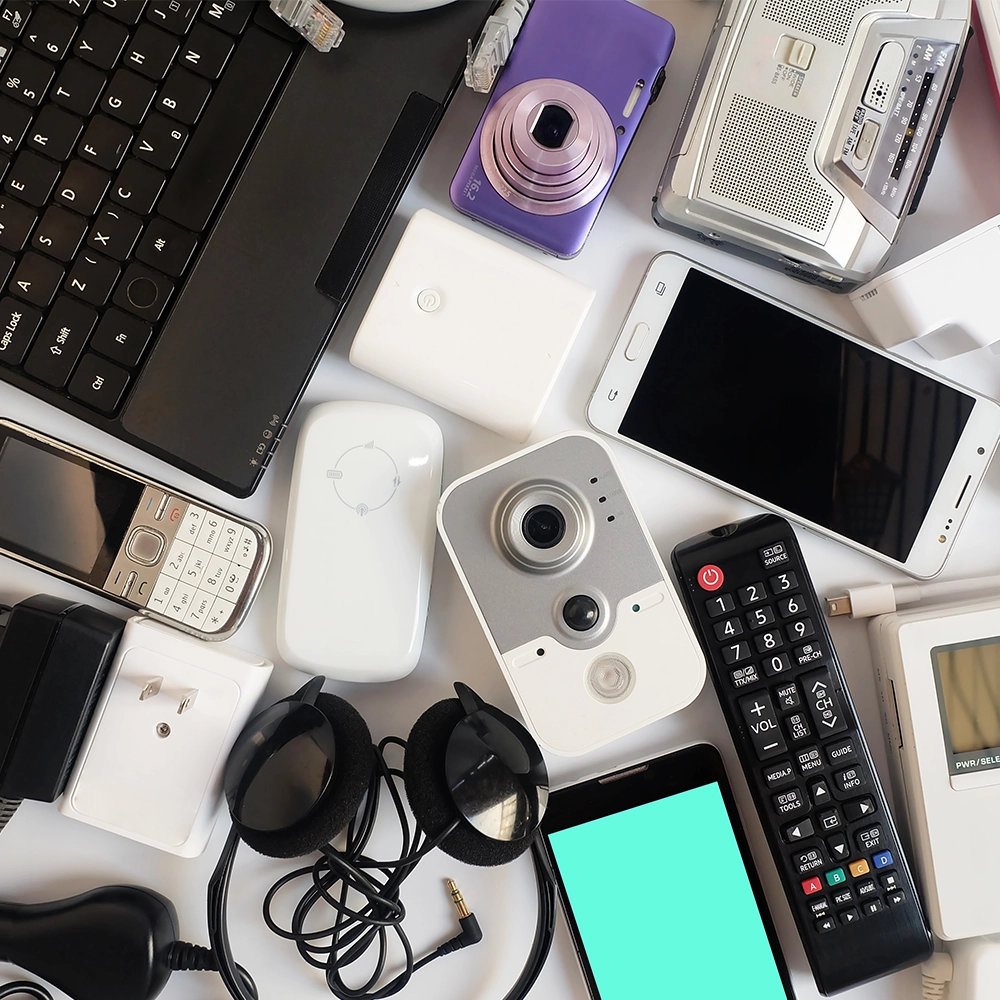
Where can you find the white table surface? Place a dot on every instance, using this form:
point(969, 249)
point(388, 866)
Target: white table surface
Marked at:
point(46, 856)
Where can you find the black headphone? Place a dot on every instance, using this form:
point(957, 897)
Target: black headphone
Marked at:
point(304, 771)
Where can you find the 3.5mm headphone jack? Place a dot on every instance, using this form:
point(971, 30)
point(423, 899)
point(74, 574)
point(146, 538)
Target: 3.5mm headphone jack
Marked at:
point(471, 932)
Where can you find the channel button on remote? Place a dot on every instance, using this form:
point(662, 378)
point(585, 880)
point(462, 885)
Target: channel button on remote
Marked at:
point(823, 703)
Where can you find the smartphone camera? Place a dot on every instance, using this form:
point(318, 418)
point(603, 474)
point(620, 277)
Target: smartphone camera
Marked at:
point(543, 527)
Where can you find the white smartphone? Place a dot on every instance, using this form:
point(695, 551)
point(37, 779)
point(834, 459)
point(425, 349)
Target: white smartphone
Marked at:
point(126, 537)
point(782, 409)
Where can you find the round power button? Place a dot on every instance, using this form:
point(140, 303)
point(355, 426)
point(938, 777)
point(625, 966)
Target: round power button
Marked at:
point(710, 577)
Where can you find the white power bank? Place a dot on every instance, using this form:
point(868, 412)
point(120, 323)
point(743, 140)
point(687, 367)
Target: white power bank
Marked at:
point(471, 325)
point(359, 541)
point(945, 299)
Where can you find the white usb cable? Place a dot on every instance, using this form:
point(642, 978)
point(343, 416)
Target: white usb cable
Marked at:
point(884, 598)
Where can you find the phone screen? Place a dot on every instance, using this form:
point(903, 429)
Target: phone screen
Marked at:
point(662, 903)
point(63, 511)
point(788, 411)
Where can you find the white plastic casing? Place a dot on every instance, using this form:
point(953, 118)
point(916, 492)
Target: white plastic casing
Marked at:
point(147, 771)
point(359, 541)
point(976, 974)
point(952, 821)
point(471, 325)
point(944, 299)
point(987, 24)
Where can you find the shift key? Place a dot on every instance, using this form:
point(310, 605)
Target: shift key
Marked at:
point(61, 341)
point(762, 723)
point(824, 705)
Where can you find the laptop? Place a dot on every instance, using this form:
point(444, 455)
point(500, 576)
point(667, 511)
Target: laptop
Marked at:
point(189, 196)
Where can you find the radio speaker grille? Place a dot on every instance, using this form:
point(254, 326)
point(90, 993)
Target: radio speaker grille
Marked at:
point(827, 19)
point(772, 174)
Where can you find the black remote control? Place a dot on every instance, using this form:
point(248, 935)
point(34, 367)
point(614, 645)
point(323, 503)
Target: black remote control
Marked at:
point(805, 758)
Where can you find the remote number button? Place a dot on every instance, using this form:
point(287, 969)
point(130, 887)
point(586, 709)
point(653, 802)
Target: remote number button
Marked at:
point(842, 752)
point(788, 696)
point(728, 629)
point(797, 727)
point(777, 664)
point(812, 885)
point(767, 641)
point(800, 630)
point(779, 774)
point(710, 577)
point(741, 677)
point(720, 605)
point(760, 617)
point(808, 860)
point(798, 831)
point(791, 606)
point(837, 845)
point(788, 803)
point(852, 779)
point(783, 582)
point(849, 916)
point(752, 594)
point(821, 697)
point(735, 652)
point(758, 714)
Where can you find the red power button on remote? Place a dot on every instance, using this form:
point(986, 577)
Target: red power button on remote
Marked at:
point(710, 577)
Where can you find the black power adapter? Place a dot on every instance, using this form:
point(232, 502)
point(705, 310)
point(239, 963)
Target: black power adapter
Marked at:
point(54, 658)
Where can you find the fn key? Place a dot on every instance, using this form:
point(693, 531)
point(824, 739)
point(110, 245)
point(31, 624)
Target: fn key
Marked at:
point(98, 383)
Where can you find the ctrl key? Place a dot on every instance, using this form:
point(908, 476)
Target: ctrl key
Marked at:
point(98, 383)
point(18, 325)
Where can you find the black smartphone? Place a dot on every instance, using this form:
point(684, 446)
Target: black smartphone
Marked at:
point(658, 885)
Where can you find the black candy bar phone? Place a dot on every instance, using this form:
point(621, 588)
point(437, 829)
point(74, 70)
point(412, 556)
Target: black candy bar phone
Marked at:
point(658, 885)
point(142, 544)
point(803, 752)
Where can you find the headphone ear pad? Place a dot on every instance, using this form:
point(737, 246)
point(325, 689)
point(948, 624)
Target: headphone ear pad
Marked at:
point(430, 798)
point(348, 784)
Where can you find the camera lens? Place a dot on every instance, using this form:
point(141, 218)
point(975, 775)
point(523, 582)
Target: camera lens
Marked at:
point(543, 526)
point(581, 613)
point(552, 126)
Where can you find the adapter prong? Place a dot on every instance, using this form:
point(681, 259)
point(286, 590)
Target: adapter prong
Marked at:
point(187, 701)
point(151, 688)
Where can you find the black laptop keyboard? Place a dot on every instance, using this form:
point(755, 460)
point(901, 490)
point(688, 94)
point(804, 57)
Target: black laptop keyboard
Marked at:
point(122, 127)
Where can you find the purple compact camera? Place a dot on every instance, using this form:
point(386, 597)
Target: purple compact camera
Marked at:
point(565, 108)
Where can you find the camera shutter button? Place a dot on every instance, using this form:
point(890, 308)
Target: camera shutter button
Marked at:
point(428, 300)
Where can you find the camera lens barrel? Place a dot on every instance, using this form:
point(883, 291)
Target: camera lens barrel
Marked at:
point(543, 527)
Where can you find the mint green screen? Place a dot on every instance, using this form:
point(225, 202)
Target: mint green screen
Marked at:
point(663, 903)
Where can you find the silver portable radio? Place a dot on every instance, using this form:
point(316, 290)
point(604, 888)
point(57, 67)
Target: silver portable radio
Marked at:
point(811, 128)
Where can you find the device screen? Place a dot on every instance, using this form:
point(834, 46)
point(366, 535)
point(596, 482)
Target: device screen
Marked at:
point(662, 902)
point(61, 510)
point(787, 411)
point(968, 680)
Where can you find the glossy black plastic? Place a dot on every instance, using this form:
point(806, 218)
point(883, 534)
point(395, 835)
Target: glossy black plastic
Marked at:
point(495, 771)
point(282, 763)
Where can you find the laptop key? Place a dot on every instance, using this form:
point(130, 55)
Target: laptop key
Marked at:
point(137, 186)
point(100, 41)
point(82, 187)
point(121, 337)
point(73, 6)
point(227, 14)
point(204, 171)
point(32, 178)
point(98, 383)
point(126, 11)
point(183, 96)
point(14, 119)
point(59, 233)
point(205, 51)
point(61, 341)
point(105, 142)
point(26, 77)
point(166, 247)
point(114, 232)
point(174, 15)
point(128, 97)
point(6, 266)
point(160, 142)
point(92, 277)
point(143, 292)
point(50, 32)
point(18, 324)
point(16, 223)
point(36, 279)
point(77, 87)
point(150, 52)
point(55, 132)
point(13, 17)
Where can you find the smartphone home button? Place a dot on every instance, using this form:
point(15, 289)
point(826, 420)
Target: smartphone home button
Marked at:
point(145, 546)
point(638, 338)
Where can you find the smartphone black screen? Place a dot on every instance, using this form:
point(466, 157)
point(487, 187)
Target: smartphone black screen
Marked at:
point(658, 885)
point(63, 511)
point(783, 409)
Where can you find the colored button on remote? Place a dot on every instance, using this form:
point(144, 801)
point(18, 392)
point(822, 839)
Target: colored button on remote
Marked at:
point(710, 577)
point(812, 885)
